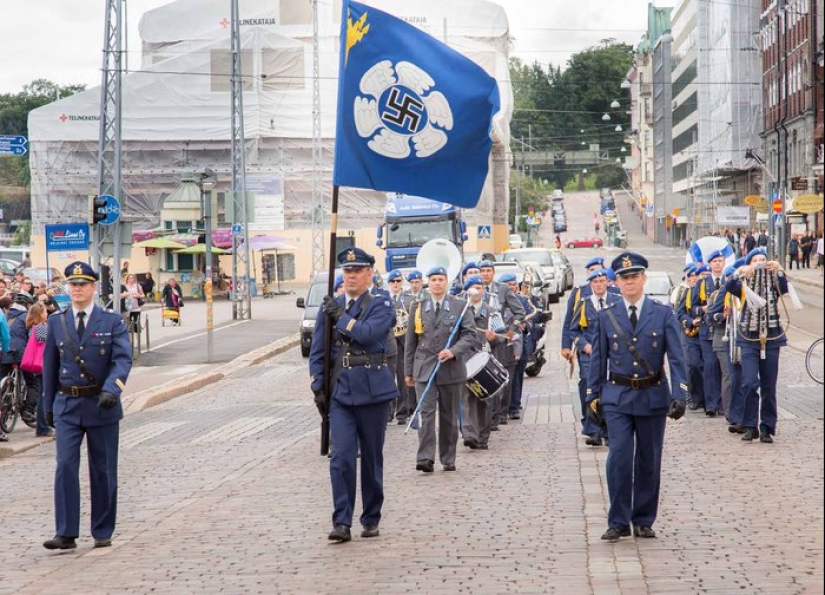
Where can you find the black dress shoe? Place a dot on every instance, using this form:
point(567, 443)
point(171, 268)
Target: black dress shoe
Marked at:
point(103, 543)
point(766, 438)
point(606, 441)
point(503, 421)
point(693, 406)
point(710, 413)
point(736, 429)
point(593, 440)
point(494, 428)
point(58, 542)
point(425, 465)
point(515, 416)
point(449, 467)
point(370, 531)
point(644, 531)
point(401, 421)
point(614, 534)
point(471, 443)
point(482, 446)
point(340, 533)
point(750, 434)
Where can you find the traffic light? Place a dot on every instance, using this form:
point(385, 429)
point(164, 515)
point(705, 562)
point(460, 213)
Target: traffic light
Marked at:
point(96, 206)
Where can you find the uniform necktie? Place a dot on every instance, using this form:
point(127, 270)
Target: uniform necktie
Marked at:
point(633, 318)
point(349, 304)
point(717, 283)
point(601, 303)
point(437, 309)
point(81, 324)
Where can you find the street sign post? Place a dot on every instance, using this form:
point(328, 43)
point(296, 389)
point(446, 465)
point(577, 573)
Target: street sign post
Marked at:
point(237, 229)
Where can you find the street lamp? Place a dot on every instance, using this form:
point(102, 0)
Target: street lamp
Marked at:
point(625, 84)
point(618, 128)
point(615, 104)
point(606, 118)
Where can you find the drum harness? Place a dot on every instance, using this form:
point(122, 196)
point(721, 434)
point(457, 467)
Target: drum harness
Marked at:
point(652, 379)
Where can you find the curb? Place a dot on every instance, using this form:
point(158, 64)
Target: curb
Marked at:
point(807, 282)
point(150, 397)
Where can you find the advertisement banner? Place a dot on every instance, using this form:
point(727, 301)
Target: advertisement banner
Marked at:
point(733, 216)
point(67, 236)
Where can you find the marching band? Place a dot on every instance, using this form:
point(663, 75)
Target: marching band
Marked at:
point(463, 341)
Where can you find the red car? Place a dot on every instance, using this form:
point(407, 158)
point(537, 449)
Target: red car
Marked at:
point(593, 242)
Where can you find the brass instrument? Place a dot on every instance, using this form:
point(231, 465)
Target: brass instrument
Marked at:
point(402, 320)
point(762, 294)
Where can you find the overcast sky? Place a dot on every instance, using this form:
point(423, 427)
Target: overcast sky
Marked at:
point(61, 40)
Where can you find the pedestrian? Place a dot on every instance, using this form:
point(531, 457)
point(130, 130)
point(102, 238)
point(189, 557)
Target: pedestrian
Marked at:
point(806, 244)
point(596, 223)
point(133, 300)
point(86, 363)
point(793, 252)
point(148, 286)
point(634, 399)
point(33, 370)
point(820, 253)
point(558, 242)
point(172, 298)
point(362, 387)
point(5, 337)
point(762, 240)
point(432, 349)
point(760, 337)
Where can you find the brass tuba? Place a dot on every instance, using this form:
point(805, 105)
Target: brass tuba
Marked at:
point(402, 320)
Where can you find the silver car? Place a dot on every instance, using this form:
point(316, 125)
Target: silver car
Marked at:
point(658, 286)
point(553, 275)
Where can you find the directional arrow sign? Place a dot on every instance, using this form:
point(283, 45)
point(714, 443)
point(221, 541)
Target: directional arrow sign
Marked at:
point(13, 150)
point(6, 139)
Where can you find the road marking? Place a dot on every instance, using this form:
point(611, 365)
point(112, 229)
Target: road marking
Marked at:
point(796, 328)
point(203, 334)
point(238, 429)
point(131, 438)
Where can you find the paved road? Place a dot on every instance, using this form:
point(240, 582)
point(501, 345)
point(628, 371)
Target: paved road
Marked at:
point(223, 491)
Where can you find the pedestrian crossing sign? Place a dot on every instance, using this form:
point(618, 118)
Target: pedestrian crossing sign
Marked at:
point(484, 232)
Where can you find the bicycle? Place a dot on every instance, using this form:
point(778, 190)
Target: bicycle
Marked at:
point(813, 361)
point(13, 401)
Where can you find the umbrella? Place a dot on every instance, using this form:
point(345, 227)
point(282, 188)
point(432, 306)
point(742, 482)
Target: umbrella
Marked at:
point(159, 243)
point(201, 249)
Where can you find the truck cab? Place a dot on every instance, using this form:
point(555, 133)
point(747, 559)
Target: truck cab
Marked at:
point(410, 222)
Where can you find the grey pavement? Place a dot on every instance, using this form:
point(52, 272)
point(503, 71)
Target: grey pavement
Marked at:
point(222, 490)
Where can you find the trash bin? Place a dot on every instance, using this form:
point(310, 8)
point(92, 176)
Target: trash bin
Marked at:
point(253, 287)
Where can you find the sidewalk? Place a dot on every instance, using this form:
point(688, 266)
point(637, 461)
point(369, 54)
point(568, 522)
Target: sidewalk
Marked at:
point(223, 491)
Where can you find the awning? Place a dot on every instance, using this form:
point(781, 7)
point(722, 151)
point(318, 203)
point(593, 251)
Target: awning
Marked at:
point(187, 239)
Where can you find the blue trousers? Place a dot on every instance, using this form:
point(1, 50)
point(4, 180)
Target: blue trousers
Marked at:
point(518, 385)
point(712, 377)
point(588, 427)
point(102, 450)
point(351, 427)
point(736, 415)
point(634, 465)
point(759, 387)
point(695, 370)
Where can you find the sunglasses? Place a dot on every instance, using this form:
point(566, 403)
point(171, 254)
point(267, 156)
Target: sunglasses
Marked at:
point(396, 281)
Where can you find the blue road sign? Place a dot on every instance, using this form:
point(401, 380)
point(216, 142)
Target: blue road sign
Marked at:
point(112, 209)
point(7, 139)
point(15, 150)
point(67, 236)
point(485, 232)
point(237, 229)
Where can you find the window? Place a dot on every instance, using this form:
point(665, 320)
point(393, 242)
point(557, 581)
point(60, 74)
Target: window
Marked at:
point(179, 262)
point(220, 67)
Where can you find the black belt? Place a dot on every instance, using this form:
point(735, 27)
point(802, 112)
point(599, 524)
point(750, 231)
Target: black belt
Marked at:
point(79, 391)
point(636, 383)
point(350, 360)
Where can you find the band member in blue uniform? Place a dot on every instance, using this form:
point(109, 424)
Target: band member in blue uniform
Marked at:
point(362, 388)
point(86, 361)
point(690, 328)
point(629, 388)
point(431, 323)
point(760, 338)
point(711, 373)
point(580, 293)
point(584, 330)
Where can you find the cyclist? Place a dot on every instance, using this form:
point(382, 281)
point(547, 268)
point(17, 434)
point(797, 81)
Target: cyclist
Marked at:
point(18, 333)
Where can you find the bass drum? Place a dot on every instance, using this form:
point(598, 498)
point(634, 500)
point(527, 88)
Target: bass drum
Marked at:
point(485, 376)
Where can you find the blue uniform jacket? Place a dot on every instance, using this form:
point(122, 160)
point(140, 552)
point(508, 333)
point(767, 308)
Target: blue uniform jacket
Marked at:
point(703, 285)
point(716, 310)
point(683, 315)
point(19, 336)
point(359, 385)
point(107, 355)
point(587, 335)
point(656, 335)
point(5, 337)
point(582, 292)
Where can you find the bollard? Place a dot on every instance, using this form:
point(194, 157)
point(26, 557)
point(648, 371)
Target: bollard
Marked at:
point(146, 328)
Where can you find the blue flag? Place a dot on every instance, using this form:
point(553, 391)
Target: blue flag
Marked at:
point(414, 115)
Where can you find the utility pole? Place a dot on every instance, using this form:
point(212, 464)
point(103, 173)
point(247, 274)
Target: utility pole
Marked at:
point(241, 291)
point(109, 144)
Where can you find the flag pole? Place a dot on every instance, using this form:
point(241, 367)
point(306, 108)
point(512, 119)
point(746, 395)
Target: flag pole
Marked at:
point(333, 232)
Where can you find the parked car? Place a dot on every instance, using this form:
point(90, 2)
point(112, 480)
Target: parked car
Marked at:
point(559, 224)
point(558, 195)
point(605, 193)
point(479, 256)
point(311, 304)
point(43, 274)
point(593, 242)
point(541, 286)
point(8, 267)
point(16, 253)
point(565, 269)
point(514, 241)
point(658, 286)
point(544, 259)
